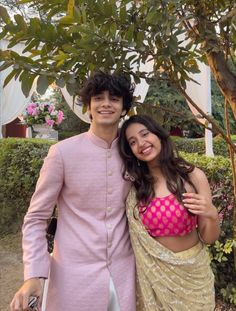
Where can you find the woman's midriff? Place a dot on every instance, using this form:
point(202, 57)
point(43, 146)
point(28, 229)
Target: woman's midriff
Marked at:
point(179, 243)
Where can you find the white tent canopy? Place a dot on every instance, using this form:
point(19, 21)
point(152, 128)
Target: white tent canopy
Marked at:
point(12, 100)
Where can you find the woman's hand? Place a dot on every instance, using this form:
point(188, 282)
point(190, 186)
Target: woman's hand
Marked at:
point(199, 205)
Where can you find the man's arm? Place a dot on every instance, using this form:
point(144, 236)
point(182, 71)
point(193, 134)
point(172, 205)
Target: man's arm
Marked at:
point(35, 255)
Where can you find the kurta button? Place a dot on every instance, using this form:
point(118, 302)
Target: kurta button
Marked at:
point(109, 244)
point(109, 190)
point(109, 154)
point(109, 226)
point(109, 173)
point(109, 262)
point(109, 209)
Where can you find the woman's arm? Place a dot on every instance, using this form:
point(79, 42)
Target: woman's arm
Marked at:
point(201, 205)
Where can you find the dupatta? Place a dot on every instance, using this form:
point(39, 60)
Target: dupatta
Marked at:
point(168, 281)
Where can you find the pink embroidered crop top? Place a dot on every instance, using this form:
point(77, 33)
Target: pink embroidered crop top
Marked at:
point(167, 217)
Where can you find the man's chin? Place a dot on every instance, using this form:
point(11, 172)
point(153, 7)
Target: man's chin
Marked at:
point(109, 122)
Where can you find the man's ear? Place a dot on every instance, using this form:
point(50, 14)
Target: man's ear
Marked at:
point(89, 112)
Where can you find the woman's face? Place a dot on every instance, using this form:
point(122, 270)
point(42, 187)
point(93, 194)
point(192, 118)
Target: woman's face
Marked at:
point(145, 145)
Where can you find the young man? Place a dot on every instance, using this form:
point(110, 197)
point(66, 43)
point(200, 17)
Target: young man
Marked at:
point(92, 267)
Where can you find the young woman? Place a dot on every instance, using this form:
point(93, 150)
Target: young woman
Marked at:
point(171, 219)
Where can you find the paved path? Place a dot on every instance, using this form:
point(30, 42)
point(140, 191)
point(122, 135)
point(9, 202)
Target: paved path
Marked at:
point(11, 269)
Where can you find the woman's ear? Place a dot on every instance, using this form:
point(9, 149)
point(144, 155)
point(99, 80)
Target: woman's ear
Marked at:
point(123, 113)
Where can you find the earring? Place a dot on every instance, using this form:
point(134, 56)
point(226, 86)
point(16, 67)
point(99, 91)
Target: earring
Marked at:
point(138, 162)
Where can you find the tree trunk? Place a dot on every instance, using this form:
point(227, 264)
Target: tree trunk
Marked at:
point(225, 79)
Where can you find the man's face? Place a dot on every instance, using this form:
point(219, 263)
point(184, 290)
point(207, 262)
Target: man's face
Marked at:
point(106, 109)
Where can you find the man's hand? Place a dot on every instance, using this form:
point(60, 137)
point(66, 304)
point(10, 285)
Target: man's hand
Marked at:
point(31, 287)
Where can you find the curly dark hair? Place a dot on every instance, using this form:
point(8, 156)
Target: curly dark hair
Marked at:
point(175, 169)
point(116, 84)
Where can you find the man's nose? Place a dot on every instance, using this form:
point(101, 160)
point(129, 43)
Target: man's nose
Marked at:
point(106, 102)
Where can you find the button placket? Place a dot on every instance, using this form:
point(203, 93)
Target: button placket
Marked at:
point(110, 190)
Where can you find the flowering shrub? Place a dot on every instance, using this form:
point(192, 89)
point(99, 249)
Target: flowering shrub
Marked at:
point(42, 113)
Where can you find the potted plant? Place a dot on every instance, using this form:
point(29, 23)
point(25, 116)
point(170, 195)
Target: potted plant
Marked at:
point(43, 117)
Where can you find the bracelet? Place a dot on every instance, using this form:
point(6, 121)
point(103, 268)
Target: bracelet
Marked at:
point(200, 238)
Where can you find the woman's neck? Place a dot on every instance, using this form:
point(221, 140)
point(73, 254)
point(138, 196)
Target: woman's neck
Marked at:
point(155, 170)
point(157, 174)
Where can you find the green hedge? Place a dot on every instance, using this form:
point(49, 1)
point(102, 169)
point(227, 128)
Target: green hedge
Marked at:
point(197, 145)
point(66, 134)
point(219, 174)
point(21, 160)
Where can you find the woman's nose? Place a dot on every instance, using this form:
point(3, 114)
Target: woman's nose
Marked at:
point(140, 142)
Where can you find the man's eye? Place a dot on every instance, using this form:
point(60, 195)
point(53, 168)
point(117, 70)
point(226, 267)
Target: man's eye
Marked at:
point(98, 97)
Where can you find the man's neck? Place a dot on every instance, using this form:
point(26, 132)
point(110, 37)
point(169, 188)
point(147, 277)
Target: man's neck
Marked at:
point(107, 133)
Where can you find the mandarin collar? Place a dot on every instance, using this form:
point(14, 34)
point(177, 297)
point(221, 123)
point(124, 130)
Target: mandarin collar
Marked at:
point(101, 142)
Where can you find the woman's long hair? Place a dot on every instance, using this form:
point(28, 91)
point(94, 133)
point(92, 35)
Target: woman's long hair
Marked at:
point(174, 168)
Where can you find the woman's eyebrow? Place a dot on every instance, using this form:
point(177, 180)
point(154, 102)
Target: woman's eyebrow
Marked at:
point(140, 132)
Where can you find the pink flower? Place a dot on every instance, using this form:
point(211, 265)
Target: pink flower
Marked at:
point(50, 122)
point(60, 116)
point(31, 108)
point(51, 108)
point(35, 111)
point(42, 113)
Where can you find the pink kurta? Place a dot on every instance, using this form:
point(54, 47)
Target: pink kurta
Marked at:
point(92, 241)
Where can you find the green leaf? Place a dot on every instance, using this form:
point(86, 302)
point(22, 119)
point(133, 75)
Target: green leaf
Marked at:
point(42, 84)
point(4, 15)
point(9, 77)
point(130, 33)
point(26, 82)
point(67, 20)
point(31, 45)
point(84, 109)
point(23, 1)
point(61, 82)
point(5, 66)
point(20, 22)
point(123, 14)
point(84, 16)
point(71, 88)
point(152, 17)
point(113, 29)
point(69, 48)
point(3, 33)
point(35, 26)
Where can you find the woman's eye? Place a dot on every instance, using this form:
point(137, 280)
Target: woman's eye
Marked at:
point(145, 133)
point(131, 143)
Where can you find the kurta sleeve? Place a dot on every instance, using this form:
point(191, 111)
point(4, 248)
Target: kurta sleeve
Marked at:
point(35, 255)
